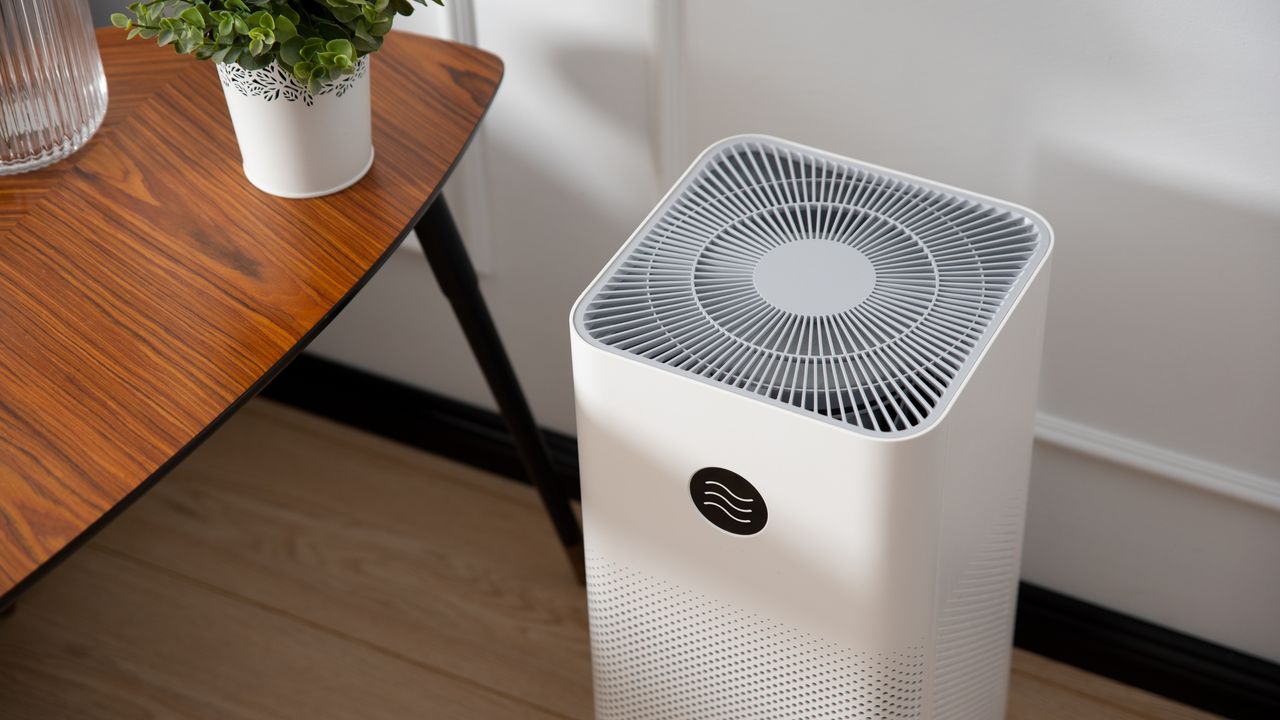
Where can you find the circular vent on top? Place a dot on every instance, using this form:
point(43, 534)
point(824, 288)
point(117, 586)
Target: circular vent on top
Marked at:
point(814, 282)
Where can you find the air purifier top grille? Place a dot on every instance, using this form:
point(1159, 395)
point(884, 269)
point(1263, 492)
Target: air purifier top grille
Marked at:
point(835, 288)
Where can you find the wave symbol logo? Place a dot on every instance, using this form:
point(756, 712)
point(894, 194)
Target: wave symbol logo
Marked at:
point(728, 501)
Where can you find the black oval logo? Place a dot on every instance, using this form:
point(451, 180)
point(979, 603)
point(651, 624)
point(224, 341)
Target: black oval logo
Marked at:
point(728, 501)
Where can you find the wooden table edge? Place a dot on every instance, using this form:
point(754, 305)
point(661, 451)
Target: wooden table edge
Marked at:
point(10, 596)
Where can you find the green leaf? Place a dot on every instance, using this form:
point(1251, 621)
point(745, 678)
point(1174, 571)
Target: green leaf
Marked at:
point(311, 47)
point(285, 29)
point(193, 17)
point(165, 37)
point(251, 62)
point(345, 13)
point(302, 71)
point(188, 41)
point(341, 47)
point(256, 47)
point(263, 34)
point(121, 20)
point(290, 51)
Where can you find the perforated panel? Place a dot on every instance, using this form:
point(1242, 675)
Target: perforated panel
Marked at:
point(816, 283)
point(975, 627)
point(663, 652)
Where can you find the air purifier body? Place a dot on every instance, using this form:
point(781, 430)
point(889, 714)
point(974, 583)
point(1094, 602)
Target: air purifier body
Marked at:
point(805, 395)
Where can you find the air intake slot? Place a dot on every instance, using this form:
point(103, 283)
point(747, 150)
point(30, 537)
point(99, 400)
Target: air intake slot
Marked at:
point(836, 289)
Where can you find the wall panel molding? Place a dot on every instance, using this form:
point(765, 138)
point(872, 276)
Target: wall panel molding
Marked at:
point(1186, 469)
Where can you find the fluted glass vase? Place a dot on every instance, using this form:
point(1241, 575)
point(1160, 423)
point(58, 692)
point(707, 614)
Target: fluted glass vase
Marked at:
point(53, 94)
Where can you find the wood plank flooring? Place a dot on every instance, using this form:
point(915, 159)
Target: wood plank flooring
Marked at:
point(293, 568)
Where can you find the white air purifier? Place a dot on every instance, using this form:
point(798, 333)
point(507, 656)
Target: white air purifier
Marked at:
point(805, 395)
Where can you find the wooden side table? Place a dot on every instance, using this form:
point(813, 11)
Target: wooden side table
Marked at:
point(147, 291)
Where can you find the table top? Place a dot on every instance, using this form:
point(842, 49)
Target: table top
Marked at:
point(147, 289)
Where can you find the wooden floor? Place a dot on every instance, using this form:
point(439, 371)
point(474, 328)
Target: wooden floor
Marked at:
point(293, 568)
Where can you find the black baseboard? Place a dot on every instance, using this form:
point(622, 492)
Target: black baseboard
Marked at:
point(415, 417)
point(1145, 655)
point(1102, 641)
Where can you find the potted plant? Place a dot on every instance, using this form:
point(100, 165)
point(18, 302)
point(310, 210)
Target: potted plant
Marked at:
point(295, 74)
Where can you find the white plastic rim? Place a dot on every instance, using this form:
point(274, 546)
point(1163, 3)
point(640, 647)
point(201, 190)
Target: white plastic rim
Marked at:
point(294, 144)
point(841, 289)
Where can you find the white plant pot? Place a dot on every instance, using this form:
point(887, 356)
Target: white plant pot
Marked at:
point(295, 144)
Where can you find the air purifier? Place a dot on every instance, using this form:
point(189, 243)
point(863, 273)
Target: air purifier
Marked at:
point(805, 395)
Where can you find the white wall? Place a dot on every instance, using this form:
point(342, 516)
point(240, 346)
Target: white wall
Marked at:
point(569, 172)
point(1145, 131)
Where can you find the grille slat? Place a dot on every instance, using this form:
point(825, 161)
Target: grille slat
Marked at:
point(687, 294)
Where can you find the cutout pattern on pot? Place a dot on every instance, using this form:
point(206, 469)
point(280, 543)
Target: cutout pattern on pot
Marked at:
point(275, 83)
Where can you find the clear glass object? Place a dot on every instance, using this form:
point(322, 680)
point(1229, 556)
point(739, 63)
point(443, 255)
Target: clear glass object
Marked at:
point(53, 93)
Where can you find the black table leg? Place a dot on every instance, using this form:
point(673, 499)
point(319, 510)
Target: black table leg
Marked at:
point(457, 277)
